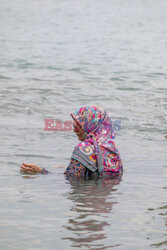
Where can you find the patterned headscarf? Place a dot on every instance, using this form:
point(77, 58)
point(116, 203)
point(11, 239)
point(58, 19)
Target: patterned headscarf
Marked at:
point(95, 122)
point(99, 130)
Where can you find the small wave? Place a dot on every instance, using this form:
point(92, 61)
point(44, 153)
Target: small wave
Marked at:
point(39, 79)
point(75, 69)
point(156, 74)
point(128, 89)
point(5, 77)
point(116, 79)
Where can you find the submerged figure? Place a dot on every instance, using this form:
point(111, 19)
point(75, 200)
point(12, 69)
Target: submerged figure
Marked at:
point(96, 154)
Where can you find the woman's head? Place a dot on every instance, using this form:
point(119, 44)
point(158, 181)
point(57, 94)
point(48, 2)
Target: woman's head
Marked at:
point(87, 120)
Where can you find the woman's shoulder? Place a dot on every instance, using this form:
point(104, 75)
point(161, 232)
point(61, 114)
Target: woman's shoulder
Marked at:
point(84, 152)
point(85, 147)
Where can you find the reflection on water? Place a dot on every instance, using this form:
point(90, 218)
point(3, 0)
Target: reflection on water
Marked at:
point(163, 213)
point(92, 206)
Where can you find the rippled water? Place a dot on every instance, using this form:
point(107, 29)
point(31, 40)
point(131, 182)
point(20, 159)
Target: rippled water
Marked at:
point(56, 56)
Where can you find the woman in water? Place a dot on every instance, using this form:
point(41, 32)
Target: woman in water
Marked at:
point(96, 154)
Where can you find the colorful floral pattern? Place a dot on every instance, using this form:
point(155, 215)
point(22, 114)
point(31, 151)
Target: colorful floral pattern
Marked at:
point(98, 149)
point(75, 168)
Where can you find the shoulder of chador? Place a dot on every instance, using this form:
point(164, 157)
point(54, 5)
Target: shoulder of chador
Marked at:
point(85, 147)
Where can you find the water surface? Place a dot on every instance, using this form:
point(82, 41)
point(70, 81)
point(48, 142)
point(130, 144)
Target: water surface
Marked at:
point(56, 56)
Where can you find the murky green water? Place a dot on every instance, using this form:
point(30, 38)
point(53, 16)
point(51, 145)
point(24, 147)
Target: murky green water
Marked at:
point(56, 56)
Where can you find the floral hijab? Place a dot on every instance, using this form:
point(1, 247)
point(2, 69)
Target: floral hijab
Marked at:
point(94, 150)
